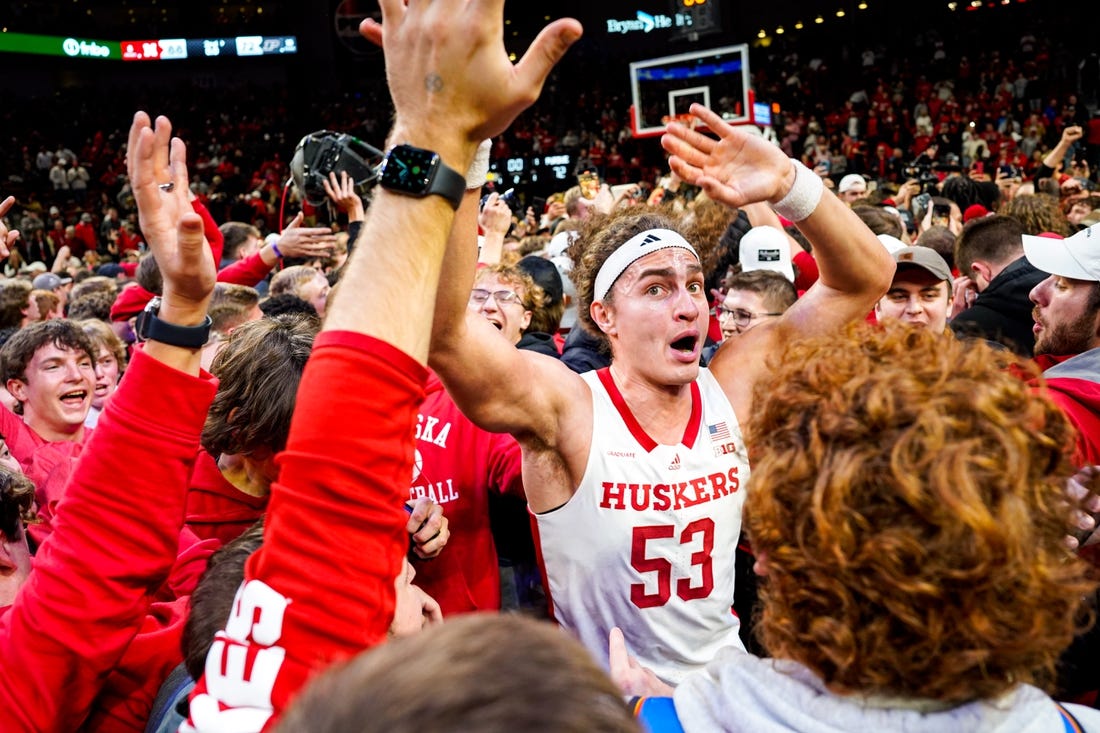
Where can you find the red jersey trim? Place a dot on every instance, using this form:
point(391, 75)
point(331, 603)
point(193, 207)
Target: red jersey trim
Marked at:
point(635, 428)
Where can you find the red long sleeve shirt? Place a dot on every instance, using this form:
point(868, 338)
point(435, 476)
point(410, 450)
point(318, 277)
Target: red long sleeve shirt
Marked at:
point(313, 597)
point(93, 579)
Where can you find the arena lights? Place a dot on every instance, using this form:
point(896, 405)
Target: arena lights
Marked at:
point(818, 20)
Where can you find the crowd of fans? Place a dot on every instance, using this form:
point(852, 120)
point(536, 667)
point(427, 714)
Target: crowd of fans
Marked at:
point(859, 361)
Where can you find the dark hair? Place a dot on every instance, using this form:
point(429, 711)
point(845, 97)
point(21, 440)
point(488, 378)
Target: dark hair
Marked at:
point(287, 304)
point(213, 597)
point(479, 672)
point(148, 275)
point(878, 220)
point(16, 503)
point(258, 371)
point(965, 192)
point(234, 234)
point(545, 316)
point(15, 297)
point(96, 304)
point(996, 238)
point(21, 348)
point(942, 240)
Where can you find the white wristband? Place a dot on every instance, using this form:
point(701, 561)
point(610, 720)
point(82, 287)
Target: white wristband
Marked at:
point(479, 169)
point(804, 195)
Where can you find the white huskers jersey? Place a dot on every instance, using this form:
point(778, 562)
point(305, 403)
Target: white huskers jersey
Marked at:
point(647, 542)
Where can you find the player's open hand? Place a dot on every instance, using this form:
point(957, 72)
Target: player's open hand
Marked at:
point(448, 69)
point(157, 166)
point(736, 169)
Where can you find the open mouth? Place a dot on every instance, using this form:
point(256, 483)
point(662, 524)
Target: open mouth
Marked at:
point(75, 398)
point(684, 345)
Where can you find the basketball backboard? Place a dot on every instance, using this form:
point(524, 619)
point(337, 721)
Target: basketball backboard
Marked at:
point(664, 88)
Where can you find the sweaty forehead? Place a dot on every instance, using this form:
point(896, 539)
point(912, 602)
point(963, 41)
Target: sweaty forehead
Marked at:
point(676, 259)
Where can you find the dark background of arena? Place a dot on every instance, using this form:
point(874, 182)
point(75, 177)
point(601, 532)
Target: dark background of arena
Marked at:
point(336, 81)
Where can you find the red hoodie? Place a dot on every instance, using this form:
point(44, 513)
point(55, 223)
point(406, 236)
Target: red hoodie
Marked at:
point(1073, 383)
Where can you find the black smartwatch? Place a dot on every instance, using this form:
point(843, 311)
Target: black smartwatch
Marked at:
point(418, 172)
point(151, 328)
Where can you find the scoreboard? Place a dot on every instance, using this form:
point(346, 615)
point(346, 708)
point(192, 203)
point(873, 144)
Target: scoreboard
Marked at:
point(163, 49)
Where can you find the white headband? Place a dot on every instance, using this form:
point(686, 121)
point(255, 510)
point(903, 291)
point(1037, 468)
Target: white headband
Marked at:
point(633, 250)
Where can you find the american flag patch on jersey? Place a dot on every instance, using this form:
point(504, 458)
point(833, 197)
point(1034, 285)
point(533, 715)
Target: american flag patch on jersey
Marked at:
point(719, 432)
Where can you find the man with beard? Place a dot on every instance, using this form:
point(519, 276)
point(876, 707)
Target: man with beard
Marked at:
point(1067, 329)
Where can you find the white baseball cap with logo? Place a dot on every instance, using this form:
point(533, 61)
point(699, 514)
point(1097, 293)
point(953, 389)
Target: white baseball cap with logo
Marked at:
point(1076, 257)
point(766, 248)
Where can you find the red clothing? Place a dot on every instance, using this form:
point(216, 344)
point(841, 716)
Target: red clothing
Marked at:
point(303, 606)
point(249, 271)
point(85, 239)
point(130, 301)
point(458, 465)
point(89, 593)
point(133, 298)
point(48, 463)
point(216, 509)
point(807, 271)
point(1073, 383)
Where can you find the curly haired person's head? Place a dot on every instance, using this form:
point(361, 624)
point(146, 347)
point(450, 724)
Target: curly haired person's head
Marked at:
point(1037, 213)
point(599, 239)
point(908, 504)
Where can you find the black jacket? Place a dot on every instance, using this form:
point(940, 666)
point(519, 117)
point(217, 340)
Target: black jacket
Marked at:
point(540, 342)
point(584, 352)
point(1002, 312)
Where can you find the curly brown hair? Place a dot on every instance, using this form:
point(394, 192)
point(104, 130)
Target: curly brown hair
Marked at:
point(603, 234)
point(1037, 213)
point(908, 494)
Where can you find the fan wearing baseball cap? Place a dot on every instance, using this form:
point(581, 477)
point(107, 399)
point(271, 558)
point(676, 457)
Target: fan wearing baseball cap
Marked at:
point(1067, 328)
point(852, 188)
point(921, 291)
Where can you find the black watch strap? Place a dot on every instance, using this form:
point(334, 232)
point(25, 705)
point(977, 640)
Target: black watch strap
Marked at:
point(187, 337)
point(449, 184)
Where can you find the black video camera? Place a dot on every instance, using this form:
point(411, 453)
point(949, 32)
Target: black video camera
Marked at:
point(323, 152)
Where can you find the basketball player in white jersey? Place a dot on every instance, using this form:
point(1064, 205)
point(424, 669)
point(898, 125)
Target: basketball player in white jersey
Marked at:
point(636, 474)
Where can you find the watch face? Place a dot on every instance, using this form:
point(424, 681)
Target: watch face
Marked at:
point(409, 169)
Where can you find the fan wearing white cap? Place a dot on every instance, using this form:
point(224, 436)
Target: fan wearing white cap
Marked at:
point(852, 188)
point(1067, 329)
point(636, 473)
point(766, 248)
